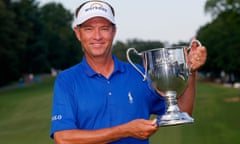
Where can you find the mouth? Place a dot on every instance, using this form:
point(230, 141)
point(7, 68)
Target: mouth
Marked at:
point(97, 44)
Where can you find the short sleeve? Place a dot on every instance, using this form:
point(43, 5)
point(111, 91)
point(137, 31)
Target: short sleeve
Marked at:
point(63, 111)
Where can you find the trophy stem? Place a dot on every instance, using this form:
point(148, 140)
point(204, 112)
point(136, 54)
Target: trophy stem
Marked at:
point(173, 116)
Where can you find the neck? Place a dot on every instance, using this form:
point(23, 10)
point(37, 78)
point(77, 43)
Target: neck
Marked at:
point(103, 66)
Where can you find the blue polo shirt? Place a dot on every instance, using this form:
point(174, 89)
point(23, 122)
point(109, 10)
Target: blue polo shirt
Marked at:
point(84, 99)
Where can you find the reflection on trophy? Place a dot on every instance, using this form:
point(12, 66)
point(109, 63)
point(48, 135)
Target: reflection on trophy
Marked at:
point(169, 72)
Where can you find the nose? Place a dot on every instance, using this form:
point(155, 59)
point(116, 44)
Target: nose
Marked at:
point(97, 34)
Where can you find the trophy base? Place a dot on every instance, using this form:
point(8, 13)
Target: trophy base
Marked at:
point(171, 119)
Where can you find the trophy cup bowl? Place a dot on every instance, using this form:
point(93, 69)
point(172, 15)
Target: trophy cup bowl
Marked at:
point(169, 73)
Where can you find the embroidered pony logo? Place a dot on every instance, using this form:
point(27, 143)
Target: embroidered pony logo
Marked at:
point(130, 98)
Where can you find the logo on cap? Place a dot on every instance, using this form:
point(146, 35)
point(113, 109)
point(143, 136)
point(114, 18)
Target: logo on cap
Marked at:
point(96, 6)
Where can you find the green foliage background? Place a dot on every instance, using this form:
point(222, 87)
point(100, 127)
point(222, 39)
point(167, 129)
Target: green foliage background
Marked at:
point(34, 39)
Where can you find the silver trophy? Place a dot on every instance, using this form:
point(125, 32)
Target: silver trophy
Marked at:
point(169, 73)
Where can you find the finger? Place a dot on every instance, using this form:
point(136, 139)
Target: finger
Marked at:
point(197, 63)
point(199, 53)
point(154, 121)
point(202, 50)
point(202, 54)
point(195, 44)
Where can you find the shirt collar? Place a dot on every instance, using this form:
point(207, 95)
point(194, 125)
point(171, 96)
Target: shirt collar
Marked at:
point(118, 66)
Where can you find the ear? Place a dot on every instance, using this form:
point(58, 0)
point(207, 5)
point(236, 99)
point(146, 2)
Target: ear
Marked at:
point(77, 33)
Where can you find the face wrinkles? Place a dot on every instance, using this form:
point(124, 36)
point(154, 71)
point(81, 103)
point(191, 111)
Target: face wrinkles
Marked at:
point(96, 36)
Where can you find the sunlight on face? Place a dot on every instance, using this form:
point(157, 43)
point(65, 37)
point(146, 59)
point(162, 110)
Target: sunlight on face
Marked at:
point(96, 36)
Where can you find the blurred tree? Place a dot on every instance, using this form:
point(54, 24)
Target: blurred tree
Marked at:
point(63, 48)
point(35, 39)
point(12, 42)
point(30, 27)
point(120, 48)
point(215, 7)
point(222, 38)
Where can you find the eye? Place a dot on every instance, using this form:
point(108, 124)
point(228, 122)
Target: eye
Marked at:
point(106, 28)
point(88, 28)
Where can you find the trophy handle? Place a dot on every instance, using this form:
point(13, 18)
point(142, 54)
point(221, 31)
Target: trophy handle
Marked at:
point(130, 61)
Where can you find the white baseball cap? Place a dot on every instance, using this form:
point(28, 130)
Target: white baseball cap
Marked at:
point(92, 9)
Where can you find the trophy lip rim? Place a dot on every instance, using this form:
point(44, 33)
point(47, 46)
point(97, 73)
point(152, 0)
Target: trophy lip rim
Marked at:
point(173, 47)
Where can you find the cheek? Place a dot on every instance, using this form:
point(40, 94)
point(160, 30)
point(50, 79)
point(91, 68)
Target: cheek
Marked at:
point(110, 37)
point(82, 36)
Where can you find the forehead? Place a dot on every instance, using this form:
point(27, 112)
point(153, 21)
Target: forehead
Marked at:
point(97, 20)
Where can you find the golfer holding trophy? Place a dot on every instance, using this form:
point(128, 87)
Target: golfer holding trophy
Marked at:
point(168, 70)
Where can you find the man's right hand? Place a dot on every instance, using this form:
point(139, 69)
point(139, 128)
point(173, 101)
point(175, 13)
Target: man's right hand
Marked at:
point(141, 128)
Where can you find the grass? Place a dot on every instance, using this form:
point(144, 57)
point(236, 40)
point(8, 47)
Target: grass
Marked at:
point(216, 115)
point(25, 114)
point(25, 117)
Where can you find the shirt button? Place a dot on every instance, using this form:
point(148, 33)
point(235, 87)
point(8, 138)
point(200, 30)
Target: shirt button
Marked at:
point(108, 82)
point(110, 93)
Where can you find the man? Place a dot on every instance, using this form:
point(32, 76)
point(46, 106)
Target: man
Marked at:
point(102, 99)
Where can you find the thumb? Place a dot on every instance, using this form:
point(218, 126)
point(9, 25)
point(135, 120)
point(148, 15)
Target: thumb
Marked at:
point(154, 121)
point(194, 44)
